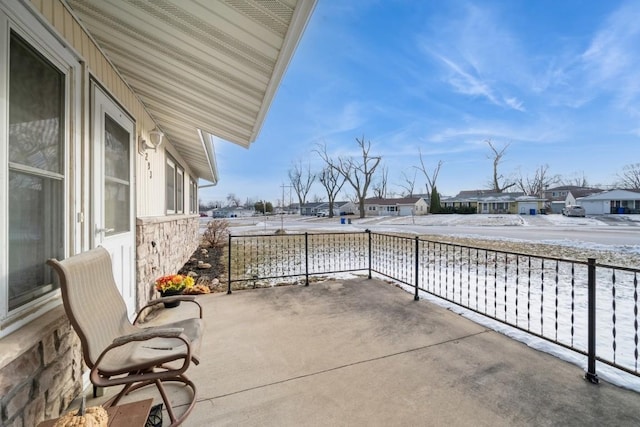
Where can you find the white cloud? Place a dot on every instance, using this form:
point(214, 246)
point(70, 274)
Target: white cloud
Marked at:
point(514, 103)
point(611, 63)
point(466, 83)
point(466, 45)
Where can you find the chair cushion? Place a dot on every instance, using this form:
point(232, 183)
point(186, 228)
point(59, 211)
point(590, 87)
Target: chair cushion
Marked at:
point(142, 355)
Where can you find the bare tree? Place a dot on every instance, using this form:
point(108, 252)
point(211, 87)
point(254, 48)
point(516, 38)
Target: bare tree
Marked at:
point(380, 187)
point(249, 203)
point(301, 181)
point(332, 181)
point(233, 200)
point(358, 172)
point(498, 182)
point(535, 186)
point(630, 177)
point(578, 180)
point(431, 178)
point(409, 183)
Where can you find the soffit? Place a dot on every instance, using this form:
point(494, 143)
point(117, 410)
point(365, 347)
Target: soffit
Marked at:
point(200, 67)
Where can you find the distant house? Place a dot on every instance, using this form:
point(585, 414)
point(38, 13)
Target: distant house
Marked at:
point(459, 203)
point(489, 202)
point(405, 206)
point(231, 212)
point(339, 208)
point(499, 203)
point(310, 208)
point(559, 197)
point(611, 202)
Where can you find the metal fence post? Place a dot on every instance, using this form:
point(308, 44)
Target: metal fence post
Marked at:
point(591, 375)
point(229, 267)
point(417, 266)
point(306, 259)
point(369, 233)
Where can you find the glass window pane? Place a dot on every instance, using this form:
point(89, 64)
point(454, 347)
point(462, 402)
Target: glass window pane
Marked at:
point(36, 195)
point(36, 96)
point(116, 178)
point(171, 187)
point(116, 150)
point(35, 235)
point(116, 207)
point(179, 190)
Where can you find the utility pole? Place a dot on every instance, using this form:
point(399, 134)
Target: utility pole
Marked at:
point(283, 187)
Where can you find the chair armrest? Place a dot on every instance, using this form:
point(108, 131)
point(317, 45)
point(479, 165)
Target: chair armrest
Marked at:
point(147, 334)
point(186, 298)
point(143, 335)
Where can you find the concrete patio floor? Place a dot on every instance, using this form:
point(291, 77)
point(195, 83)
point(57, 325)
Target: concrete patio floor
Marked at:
point(362, 352)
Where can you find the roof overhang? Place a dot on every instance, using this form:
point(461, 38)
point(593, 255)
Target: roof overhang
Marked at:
point(200, 67)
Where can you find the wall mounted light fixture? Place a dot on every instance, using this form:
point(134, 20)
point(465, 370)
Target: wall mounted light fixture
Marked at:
point(156, 138)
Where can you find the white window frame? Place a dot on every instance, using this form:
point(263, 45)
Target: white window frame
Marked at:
point(178, 187)
point(16, 17)
point(170, 197)
point(179, 190)
point(193, 195)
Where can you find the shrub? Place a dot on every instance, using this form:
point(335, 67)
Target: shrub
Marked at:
point(217, 233)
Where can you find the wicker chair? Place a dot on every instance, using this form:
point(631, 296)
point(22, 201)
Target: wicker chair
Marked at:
point(117, 351)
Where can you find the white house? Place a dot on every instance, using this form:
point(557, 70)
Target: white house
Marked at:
point(405, 206)
point(611, 202)
point(339, 208)
point(107, 114)
point(559, 197)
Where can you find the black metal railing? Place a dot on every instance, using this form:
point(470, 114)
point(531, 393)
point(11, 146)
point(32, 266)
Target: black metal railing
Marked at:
point(583, 306)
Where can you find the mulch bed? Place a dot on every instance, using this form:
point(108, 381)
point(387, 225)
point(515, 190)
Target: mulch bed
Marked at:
point(206, 267)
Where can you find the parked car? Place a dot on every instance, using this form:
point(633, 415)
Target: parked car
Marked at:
point(322, 213)
point(573, 210)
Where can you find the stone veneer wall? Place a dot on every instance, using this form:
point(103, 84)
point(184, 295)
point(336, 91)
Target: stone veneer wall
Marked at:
point(163, 246)
point(41, 364)
point(43, 373)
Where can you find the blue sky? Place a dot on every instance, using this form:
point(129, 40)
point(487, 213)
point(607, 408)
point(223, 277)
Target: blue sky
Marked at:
point(559, 81)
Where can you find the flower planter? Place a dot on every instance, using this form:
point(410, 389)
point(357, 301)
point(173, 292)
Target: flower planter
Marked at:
point(172, 304)
point(173, 284)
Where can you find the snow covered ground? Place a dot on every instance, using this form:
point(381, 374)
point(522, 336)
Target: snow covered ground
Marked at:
point(509, 220)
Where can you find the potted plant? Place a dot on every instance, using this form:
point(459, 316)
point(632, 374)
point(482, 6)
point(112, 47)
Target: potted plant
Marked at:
point(173, 284)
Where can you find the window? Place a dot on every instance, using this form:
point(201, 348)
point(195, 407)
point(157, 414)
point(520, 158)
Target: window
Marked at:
point(117, 182)
point(36, 175)
point(193, 196)
point(174, 176)
point(33, 133)
point(170, 177)
point(179, 190)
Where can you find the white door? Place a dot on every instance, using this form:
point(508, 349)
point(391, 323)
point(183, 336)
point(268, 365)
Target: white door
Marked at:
point(113, 187)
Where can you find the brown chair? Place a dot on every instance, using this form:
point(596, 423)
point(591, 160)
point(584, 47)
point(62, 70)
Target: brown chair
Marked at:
point(117, 351)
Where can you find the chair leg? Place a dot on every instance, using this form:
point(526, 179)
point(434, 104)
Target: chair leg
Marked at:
point(115, 399)
point(175, 421)
point(187, 382)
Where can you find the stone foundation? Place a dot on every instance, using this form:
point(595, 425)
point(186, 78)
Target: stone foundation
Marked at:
point(45, 373)
point(163, 246)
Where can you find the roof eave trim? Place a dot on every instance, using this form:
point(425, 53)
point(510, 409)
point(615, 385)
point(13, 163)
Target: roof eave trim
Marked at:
point(302, 14)
point(207, 145)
